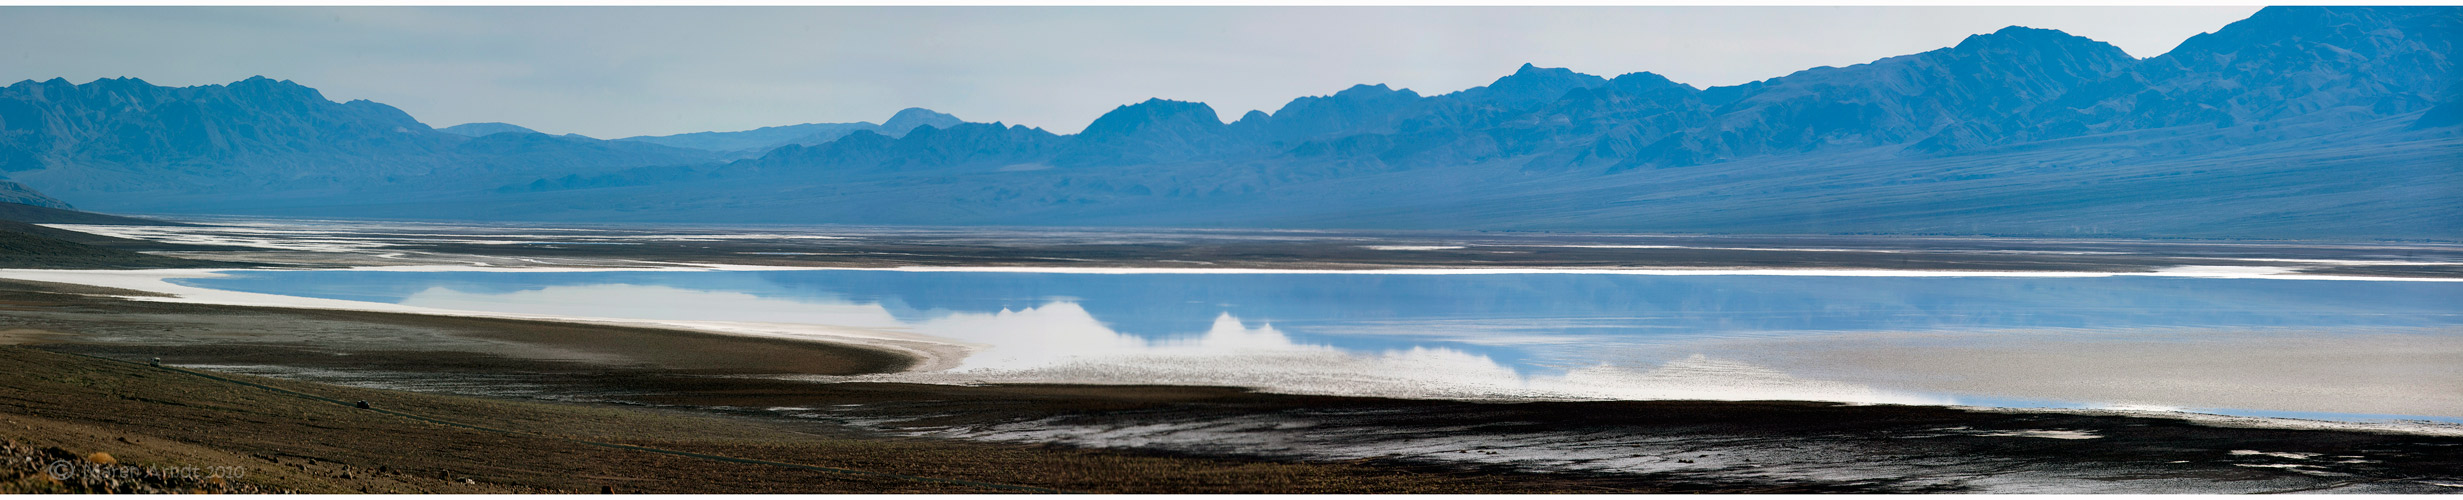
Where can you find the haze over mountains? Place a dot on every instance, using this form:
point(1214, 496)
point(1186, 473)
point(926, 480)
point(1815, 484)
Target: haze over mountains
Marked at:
point(118, 142)
point(755, 142)
point(2340, 122)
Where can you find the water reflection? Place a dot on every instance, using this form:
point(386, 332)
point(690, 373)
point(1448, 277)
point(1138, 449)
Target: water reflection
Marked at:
point(1524, 320)
point(1560, 335)
point(652, 302)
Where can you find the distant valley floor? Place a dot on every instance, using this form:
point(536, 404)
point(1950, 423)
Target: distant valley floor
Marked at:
point(343, 243)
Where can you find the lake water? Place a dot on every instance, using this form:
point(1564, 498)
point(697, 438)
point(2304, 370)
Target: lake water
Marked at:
point(1864, 339)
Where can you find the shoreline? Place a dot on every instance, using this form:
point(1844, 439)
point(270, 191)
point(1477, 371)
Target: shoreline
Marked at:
point(927, 353)
point(342, 244)
point(2198, 272)
point(2203, 272)
point(933, 356)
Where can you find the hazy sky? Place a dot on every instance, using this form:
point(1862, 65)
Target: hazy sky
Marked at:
point(616, 72)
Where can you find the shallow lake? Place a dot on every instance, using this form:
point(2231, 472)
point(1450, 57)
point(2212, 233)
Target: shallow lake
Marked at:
point(1846, 338)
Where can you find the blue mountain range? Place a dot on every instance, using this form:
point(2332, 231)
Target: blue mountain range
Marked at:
point(2298, 122)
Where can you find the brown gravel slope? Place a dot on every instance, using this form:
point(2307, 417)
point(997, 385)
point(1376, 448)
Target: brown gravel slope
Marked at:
point(158, 419)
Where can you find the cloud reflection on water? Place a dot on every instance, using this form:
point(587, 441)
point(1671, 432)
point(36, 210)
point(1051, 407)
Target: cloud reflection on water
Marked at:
point(1061, 342)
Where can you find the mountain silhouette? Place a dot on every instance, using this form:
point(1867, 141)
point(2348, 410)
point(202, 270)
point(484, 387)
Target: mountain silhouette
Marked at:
point(2298, 122)
point(483, 129)
point(749, 143)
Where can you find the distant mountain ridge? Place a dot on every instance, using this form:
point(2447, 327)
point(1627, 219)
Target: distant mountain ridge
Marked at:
point(754, 142)
point(2331, 122)
point(483, 129)
point(121, 140)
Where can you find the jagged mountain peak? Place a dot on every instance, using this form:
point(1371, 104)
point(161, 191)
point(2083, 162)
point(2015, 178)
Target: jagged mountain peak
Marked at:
point(2279, 63)
point(1376, 90)
point(1157, 130)
point(260, 85)
point(2339, 26)
point(130, 81)
point(2025, 39)
point(1531, 83)
point(908, 119)
point(1355, 93)
point(1643, 80)
point(2015, 33)
point(1363, 108)
point(29, 86)
point(1532, 73)
point(1152, 114)
point(1976, 93)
